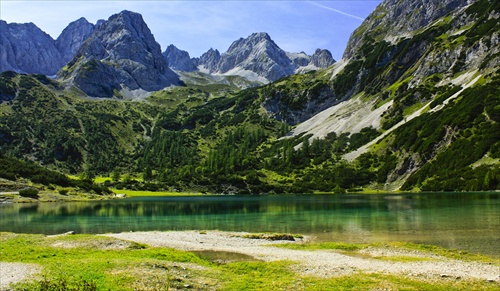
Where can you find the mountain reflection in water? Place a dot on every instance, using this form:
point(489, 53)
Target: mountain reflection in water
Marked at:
point(469, 221)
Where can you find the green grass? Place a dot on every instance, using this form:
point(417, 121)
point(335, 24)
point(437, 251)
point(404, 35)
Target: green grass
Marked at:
point(137, 193)
point(447, 253)
point(92, 262)
point(325, 246)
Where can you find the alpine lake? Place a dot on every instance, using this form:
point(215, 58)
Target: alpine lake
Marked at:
point(464, 221)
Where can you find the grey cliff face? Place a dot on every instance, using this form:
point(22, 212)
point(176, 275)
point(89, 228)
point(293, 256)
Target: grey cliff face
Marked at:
point(72, 37)
point(322, 58)
point(120, 53)
point(257, 53)
point(179, 60)
point(299, 59)
point(26, 48)
point(209, 60)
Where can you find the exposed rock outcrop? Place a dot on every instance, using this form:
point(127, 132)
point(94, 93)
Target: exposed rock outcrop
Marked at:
point(26, 48)
point(72, 37)
point(179, 60)
point(209, 61)
point(120, 55)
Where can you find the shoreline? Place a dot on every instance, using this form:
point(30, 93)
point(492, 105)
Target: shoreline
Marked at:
point(322, 263)
point(303, 257)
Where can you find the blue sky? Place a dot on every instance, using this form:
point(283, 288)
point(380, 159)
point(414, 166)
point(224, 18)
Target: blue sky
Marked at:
point(196, 26)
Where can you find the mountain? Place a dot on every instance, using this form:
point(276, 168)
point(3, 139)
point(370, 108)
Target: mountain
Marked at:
point(411, 106)
point(72, 37)
point(209, 61)
point(399, 19)
point(259, 58)
point(257, 54)
point(121, 55)
point(179, 60)
point(26, 48)
point(302, 62)
point(415, 82)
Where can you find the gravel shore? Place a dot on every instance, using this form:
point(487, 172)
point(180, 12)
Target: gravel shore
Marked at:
point(320, 263)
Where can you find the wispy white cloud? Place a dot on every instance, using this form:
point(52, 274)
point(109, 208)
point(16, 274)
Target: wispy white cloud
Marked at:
point(335, 10)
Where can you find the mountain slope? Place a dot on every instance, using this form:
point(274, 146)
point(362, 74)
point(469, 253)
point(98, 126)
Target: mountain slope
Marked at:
point(26, 48)
point(414, 110)
point(416, 74)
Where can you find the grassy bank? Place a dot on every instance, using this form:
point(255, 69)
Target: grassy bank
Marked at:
point(92, 262)
point(137, 193)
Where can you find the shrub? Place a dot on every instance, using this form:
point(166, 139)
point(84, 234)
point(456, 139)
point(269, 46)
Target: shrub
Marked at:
point(29, 192)
point(63, 191)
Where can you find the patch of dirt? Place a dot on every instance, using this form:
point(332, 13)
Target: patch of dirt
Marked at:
point(11, 273)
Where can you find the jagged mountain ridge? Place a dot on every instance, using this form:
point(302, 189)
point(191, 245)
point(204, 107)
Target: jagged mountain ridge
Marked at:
point(26, 48)
point(256, 57)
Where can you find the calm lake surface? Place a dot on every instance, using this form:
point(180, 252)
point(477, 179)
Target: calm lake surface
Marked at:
point(468, 221)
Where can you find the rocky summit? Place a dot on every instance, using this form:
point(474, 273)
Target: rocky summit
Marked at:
point(72, 37)
point(179, 60)
point(25, 48)
point(120, 55)
point(259, 58)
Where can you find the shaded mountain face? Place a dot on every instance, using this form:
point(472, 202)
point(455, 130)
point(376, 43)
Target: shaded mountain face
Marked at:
point(120, 55)
point(72, 37)
point(322, 58)
point(179, 60)
point(26, 48)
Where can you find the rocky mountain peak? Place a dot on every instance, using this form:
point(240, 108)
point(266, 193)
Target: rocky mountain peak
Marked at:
point(322, 58)
point(258, 54)
point(72, 37)
point(209, 60)
point(120, 55)
point(26, 48)
point(178, 59)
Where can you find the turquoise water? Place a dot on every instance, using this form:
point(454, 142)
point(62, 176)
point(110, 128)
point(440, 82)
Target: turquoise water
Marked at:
point(468, 221)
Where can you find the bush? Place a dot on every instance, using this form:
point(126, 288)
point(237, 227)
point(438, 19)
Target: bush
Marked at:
point(29, 192)
point(63, 191)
